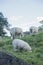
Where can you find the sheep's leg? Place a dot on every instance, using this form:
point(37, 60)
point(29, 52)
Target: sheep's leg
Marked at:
point(15, 48)
point(11, 37)
point(20, 35)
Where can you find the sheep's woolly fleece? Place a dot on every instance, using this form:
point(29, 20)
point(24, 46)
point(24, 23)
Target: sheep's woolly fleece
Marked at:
point(17, 43)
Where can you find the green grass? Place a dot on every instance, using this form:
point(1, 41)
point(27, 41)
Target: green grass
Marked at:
point(36, 42)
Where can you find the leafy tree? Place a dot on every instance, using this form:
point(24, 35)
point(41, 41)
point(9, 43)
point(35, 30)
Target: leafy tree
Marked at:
point(3, 24)
point(41, 22)
point(41, 27)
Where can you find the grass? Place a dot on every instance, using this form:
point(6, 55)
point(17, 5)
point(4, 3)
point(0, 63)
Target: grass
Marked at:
point(36, 42)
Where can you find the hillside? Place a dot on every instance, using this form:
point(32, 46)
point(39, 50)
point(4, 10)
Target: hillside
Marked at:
point(33, 58)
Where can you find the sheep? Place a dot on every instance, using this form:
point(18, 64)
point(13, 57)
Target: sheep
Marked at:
point(20, 44)
point(16, 31)
point(33, 29)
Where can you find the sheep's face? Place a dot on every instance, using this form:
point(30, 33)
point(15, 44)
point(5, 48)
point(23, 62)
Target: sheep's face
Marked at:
point(29, 49)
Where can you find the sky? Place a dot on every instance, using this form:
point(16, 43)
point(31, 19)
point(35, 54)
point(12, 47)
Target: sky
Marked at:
point(22, 13)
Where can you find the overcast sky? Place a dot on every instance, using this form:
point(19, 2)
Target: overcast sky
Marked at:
point(22, 13)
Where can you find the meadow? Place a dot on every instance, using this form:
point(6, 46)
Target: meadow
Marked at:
point(35, 41)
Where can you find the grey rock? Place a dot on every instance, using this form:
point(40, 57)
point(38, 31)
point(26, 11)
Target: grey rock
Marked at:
point(7, 59)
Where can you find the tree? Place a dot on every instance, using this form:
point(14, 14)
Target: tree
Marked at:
point(41, 22)
point(41, 27)
point(3, 24)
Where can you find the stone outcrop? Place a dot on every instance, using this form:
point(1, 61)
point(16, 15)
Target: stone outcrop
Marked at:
point(7, 59)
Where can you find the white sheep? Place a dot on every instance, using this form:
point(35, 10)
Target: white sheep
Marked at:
point(17, 44)
point(16, 31)
point(33, 29)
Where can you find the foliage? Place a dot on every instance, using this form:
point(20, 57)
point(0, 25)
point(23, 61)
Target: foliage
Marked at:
point(41, 21)
point(41, 27)
point(3, 24)
point(33, 58)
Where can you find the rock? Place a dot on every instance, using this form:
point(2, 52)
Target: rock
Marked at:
point(7, 59)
